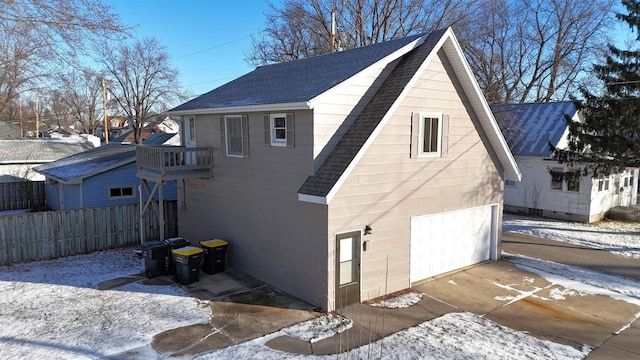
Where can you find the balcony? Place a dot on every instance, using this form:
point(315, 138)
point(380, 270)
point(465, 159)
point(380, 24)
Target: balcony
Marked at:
point(157, 163)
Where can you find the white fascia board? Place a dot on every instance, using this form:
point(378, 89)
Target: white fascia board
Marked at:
point(386, 118)
point(313, 199)
point(382, 62)
point(306, 105)
point(481, 107)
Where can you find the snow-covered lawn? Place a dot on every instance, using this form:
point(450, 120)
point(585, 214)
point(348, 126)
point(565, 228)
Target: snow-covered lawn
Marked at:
point(53, 309)
point(620, 238)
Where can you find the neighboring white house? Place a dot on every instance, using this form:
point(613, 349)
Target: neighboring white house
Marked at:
point(549, 188)
point(18, 157)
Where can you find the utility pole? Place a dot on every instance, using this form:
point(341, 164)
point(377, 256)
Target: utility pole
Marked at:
point(104, 110)
point(37, 118)
point(332, 44)
point(20, 114)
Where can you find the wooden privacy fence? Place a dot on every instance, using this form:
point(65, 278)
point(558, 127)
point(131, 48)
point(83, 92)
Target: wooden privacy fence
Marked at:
point(22, 195)
point(53, 234)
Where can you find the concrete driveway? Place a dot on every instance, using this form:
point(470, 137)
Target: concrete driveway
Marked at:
point(244, 308)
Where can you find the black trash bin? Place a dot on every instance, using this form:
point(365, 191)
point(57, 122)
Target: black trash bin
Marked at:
point(187, 264)
point(214, 252)
point(155, 255)
point(174, 243)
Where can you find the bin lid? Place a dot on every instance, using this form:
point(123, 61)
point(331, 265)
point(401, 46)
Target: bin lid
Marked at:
point(153, 243)
point(187, 250)
point(213, 243)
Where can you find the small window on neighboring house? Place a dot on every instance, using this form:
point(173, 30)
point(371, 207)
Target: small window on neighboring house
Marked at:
point(121, 192)
point(192, 128)
point(429, 134)
point(235, 135)
point(557, 177)
point(510, 183)
point(600, 185)
point(606, 185)
point(626, 181)
point(573, 180)
point(616, 184)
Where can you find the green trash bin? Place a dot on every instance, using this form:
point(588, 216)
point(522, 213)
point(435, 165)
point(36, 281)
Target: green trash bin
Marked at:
point(214, 252)
point(187, 261)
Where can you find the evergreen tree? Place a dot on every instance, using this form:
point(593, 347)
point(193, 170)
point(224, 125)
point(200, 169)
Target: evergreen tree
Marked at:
point(608, 140)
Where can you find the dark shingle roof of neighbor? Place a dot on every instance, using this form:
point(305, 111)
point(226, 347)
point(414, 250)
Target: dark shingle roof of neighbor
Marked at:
point(354, 138)
point(96, 160)
point(294, 81)
point(39, 150)
point(528, 128)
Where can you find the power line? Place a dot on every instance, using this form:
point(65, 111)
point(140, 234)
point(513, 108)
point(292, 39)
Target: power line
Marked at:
point(214, 47)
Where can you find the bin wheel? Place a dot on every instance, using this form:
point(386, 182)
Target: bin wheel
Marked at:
point(149, 274)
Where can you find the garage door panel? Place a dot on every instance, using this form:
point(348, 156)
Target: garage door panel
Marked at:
point(448, 241)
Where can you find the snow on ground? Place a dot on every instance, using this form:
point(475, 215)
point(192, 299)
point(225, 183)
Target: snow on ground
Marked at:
point(452, 336)
point(620, 238)
point(580, 279)
point(319, 328)
point(53, 309)
point(400, 301)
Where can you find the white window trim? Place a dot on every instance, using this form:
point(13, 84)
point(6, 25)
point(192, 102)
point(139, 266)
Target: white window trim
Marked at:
point(226, 135)
point(274, 141)
point(438, 153)
point(133, 192)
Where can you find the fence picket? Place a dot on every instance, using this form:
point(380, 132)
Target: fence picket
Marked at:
point(52, 234)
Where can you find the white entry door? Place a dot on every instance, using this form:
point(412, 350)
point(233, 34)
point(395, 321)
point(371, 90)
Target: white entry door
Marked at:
point(448, 241)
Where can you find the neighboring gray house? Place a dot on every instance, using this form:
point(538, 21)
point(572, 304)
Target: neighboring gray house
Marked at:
point(19, 157)
point(549, 188)
point(342, 177)
point(103, 176)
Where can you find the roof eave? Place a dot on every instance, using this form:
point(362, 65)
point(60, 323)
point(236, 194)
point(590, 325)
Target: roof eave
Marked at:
point(315, 199)
point(481, 107)
point(304, 105)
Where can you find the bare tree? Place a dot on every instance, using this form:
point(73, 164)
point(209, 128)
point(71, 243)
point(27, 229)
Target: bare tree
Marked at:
point(37, 36)
point(80, 99)
point(536, 50)
point(520, 50)
point(302, 28)
point(142, 80)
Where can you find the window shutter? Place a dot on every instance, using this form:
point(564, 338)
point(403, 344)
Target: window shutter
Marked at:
point(415, 135)
point(290, 130)
point(267, 130)
point(245, 136)
point(445, 134)
point(223, 139)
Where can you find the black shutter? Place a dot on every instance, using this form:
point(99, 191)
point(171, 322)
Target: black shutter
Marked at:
point(223, 141)
point(291, 136)
point(245, 136)
point(267, 130)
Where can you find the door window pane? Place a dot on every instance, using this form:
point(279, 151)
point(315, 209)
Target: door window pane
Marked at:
point(347, 263)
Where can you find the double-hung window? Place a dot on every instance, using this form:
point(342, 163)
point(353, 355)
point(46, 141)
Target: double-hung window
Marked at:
point(429, 135)
point(557, 178)
point(233, 135)
point(278, 128)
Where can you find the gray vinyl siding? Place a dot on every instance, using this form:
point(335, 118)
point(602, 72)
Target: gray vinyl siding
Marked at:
point(252, 203)
point(387, 187)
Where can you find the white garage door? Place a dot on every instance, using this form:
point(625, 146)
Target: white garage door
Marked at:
point(452, 240)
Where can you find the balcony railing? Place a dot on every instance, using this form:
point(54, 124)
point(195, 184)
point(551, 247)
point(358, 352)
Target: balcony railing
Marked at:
point(174, 161)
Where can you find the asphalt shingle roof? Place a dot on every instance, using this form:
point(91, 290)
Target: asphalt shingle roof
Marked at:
point(294, 81)
point(354, 138)
point(95, 160)
point(38, 150)
point(528, 128)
